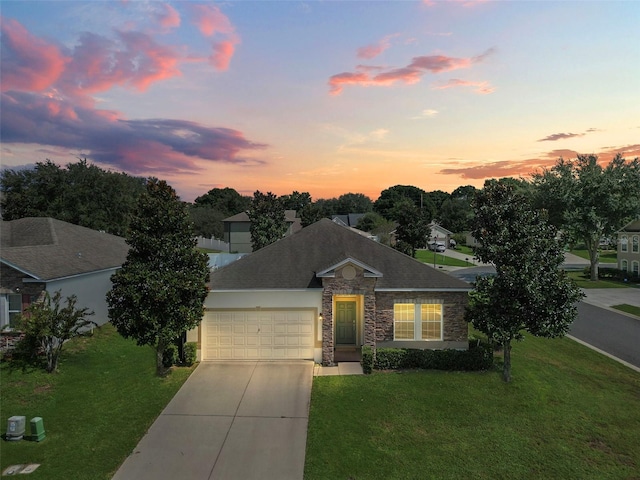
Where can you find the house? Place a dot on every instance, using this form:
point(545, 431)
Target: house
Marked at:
point(439, 234)
point(349, 220)
point(323, 290)
point(44, 254)
point(629, 247)
point(238, 235)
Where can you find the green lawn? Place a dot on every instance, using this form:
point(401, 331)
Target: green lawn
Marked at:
point(606, 256)
point(426, 256)
point(584, 282)
point(569, 413)
point(465, 250)
point(95, 410)
point(632, 309)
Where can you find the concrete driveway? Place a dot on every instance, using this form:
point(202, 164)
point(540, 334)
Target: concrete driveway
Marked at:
point(241, 420)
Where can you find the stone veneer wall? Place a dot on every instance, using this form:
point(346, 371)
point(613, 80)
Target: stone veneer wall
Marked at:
point(12, 278)
point(341, 286)
point(454, 329)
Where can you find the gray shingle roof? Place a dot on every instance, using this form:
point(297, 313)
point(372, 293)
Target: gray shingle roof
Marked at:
point(292, 263)
point(47, 249)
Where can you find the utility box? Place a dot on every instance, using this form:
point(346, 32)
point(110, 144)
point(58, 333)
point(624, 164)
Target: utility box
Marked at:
point(15, 428)
point(37, 429)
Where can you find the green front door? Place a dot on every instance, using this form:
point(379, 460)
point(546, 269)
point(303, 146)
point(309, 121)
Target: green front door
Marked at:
point(345, 323)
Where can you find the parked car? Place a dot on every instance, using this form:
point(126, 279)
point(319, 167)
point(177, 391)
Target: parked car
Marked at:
point(437, 247)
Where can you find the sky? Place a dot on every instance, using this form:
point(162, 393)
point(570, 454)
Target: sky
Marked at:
point(325, 97)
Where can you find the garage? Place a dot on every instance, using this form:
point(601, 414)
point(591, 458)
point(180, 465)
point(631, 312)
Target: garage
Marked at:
point(258, 335)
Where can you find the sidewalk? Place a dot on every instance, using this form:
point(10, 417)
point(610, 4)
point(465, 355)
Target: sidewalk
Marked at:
point(343, 368)
point(607, 297)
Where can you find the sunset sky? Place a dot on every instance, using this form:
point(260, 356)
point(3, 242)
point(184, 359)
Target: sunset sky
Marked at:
point(326, 97)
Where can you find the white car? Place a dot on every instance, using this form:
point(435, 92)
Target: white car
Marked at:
point(437, 247)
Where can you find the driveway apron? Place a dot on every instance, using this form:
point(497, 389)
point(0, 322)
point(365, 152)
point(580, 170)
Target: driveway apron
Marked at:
point(231, 420)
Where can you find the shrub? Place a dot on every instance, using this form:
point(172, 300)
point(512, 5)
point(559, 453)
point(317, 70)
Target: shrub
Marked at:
point(190, 353)
point(170, 356)
point(613, 274)
point(367, 359)
point(478, 357)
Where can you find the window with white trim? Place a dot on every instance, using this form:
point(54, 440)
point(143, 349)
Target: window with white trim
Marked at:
point(635, 268)
point(624, 242)
point(634, 244)
point(417, 321)
point(10, 309)
point(624, 266)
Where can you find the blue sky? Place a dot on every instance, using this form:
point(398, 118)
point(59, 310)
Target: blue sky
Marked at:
point(325, 97)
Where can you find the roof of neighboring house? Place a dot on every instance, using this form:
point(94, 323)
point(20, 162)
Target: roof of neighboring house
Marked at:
point(289, 216)
point(294, 261)
point(632, 226)
point(436, 226)
point(350, 220)
point(46, 248)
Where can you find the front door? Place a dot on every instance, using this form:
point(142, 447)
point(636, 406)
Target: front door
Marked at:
point(345, 323)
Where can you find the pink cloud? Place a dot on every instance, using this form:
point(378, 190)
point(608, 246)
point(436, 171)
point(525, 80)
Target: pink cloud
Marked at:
point(222, 53)
point(480, 87)
point(167, 16)
point(99, 63)
point(410, 74)
point(210, 20)
point(372, 51)
point(28, 62)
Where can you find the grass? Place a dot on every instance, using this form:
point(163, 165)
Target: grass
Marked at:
point(606, 256)
point(95, 410)
point(584, 282)
point(426, 256)
point(632, 309)
point(465, 250)
point(569, 413)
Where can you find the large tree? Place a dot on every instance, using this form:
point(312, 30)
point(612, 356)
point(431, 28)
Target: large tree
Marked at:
point(296, 201)
point(268, 223)
point(530, 292)
point(158, 293)
point(392, 201)
point(353, 203)
point(80, 193)
point(589, 201)
point(413, 227)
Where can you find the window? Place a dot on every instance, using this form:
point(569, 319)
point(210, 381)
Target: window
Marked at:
point(624, 242)
point(624, 266)
point(635, 268)
point(429, 326)
point(10, 309)
point(634, 244)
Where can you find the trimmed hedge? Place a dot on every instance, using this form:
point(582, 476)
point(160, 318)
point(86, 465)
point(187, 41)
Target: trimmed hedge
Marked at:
point(613, 274)
point(190, 353)
point(478, 357)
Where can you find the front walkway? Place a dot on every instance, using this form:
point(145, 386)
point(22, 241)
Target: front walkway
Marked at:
point(343, 368)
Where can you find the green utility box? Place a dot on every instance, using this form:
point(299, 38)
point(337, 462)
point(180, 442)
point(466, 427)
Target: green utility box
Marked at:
point(37, 429)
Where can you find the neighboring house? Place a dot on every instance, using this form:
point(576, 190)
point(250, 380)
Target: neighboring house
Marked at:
point(350, 220)
point(39, 254)
point(629, 247)
point(439, 234)
point(324, 289)
point(238, 235)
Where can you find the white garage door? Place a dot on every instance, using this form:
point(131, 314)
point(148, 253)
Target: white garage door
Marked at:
point(263, 335)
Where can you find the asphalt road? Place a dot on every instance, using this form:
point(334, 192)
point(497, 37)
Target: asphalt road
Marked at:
point(614, 333)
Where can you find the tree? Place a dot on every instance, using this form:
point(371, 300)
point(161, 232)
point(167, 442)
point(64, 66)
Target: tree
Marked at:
point(48, 325)
point(392, 200)
point(456, 215)
point(529, 292)
point(81, 193)
point(589, 201)
point(158, 293)
point(207, 221)
point(354, 203)
point(227, 201)
point(296, 201)
point(268, 223)
point(413, 228)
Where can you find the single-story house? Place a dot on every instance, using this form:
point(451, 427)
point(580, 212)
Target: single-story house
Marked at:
point(629, 247)
point(44, 254)
point(237, 230)
point(439, 234)
point(323, 289)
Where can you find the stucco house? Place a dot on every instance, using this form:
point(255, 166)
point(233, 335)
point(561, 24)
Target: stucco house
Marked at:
point(325, 289)
point(44, 254)
point(238, 235)
point(629, 247)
